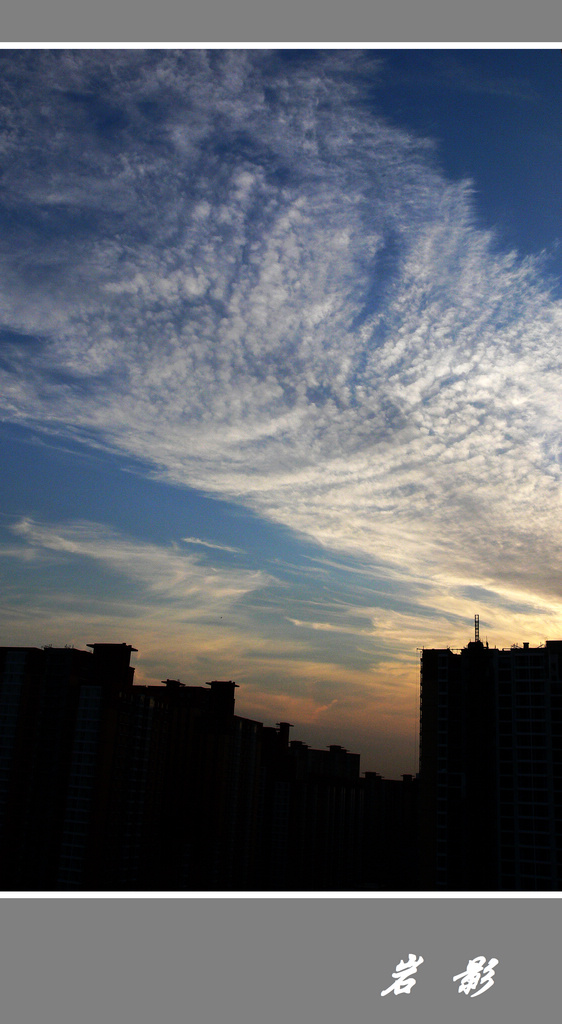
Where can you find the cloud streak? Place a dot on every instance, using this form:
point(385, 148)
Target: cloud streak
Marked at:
point(169, 573)
point(209, 544)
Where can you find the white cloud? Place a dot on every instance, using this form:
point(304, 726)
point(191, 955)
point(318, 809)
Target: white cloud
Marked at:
point(208, 544)
point(167, 572)
point(219, 318)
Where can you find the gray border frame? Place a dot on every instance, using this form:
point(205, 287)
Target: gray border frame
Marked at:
point(225, 22)
point(267, 960)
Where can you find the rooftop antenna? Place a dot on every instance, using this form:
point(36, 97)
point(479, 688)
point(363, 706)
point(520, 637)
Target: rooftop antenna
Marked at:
point(476, 629)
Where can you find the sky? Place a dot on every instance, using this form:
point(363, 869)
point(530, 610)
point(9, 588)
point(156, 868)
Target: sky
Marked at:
point(280, 338)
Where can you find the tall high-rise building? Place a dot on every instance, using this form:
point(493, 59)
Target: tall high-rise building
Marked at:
point(491, 767)
point(58, 718)
point(107, 785)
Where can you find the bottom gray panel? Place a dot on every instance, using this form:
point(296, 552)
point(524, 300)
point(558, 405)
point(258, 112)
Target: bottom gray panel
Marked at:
point(276, 961)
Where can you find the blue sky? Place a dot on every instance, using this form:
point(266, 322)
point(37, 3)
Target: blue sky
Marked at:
point(280, 367)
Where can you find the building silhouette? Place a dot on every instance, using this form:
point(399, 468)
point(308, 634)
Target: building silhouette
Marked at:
point(58, 717)
point(106, 785)
point(312, 815)
point(491, 767)
point(391, 858)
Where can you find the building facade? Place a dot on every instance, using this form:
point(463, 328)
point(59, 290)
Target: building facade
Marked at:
point(58, 713)
point(491, 768)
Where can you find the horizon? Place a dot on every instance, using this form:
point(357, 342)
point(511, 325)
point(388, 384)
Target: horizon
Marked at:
point(414, 773)
point(279, 354)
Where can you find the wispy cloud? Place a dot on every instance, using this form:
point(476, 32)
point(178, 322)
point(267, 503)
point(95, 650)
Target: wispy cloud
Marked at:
point(172, 574)
point(209, 544)
point(216, 337)
point(450, 72)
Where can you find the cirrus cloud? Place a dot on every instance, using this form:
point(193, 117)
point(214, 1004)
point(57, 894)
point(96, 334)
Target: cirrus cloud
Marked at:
point(230, 266)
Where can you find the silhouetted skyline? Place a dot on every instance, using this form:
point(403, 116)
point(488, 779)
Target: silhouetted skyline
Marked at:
point(108, 785)
point(279, 368)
